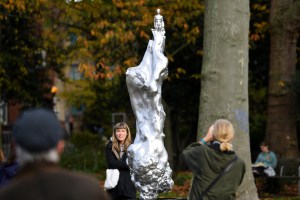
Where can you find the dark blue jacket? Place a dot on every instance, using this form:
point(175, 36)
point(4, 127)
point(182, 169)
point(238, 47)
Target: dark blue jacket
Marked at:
point(7, 172)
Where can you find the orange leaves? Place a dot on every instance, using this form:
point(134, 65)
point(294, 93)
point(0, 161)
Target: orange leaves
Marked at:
point(282, 83)
point(144, 35)
point(118, 70)
point(192, 35)
point(100, 70)
point(254, 37)
point(186, 26)
point(13, 5)
point(259, 7)
point(262, 25)
point(259, 25)
point(116, 36)
point(196, 76)
point(130, 62)
point(179, 71)
point(126, 4)
point(260, 29)
point(129, 36)
point(118, 3)
point(86, 69)
point(93, 33)
point(182, 190)
point(182, 183)
point(89, 71)
point(170, 58)
point(115, 32)
point(109, 34)
point(199, 52)
point(20, 4)
point(102, 24)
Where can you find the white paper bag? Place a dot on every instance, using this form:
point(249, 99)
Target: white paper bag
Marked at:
point(112, 178)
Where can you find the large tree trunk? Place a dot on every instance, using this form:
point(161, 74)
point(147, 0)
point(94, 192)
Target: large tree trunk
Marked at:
point(224, 83)
point(281, 131)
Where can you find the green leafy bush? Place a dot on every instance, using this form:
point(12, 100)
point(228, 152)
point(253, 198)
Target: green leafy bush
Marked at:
point(85, 152)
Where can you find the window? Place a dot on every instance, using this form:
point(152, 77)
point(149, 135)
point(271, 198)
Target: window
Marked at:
point(74, 73)
point(3, 113)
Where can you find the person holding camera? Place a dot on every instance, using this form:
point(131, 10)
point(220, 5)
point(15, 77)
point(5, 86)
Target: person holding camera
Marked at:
point(208, 158)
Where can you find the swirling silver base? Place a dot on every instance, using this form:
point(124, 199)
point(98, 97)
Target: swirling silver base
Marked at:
point(150, 174)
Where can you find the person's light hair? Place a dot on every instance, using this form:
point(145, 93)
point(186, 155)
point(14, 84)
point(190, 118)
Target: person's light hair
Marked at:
point(24, 157)
point(223, 132)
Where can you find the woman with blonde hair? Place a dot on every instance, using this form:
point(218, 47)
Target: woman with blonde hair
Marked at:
point(116, 155)
point(208, 158)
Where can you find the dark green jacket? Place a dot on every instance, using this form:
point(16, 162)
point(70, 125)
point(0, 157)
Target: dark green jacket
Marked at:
point(206, 162)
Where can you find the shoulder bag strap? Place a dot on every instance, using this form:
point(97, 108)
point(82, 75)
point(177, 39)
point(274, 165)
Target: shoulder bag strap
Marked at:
point(226, 169)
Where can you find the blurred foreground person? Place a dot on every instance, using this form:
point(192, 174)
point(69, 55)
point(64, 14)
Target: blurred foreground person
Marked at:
point(208, 158)
point(38, 137)
point(8, 167)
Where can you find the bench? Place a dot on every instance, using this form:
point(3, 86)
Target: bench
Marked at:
point(283, 177)
point(287, 170)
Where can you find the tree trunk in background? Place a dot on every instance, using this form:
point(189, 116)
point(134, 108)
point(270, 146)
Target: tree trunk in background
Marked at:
point(224, 83)
point(281, 131)
point(168, 135)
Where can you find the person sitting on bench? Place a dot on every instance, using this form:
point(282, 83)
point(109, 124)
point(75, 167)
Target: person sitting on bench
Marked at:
point(265, 163)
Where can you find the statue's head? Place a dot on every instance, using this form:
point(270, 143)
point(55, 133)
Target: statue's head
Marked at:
point(159, 21)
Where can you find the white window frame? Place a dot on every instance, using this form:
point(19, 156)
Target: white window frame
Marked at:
point(3, 113)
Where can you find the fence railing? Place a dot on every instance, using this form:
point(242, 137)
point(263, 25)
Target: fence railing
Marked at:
point(6, 138)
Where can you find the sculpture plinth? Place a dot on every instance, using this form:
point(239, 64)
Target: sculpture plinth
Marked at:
point(147, 156)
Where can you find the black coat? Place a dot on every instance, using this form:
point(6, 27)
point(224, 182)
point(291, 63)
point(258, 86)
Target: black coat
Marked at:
point(125, 188)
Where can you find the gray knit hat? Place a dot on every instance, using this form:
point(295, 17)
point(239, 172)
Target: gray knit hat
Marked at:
point(37, 130)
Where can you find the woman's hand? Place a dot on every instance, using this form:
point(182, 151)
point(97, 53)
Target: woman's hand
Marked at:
point(209, 135)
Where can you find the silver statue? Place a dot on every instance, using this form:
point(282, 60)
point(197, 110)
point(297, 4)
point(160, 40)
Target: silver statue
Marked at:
point(147, 156)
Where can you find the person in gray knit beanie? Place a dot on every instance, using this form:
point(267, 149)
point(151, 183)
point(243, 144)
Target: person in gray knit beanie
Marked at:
point(38, 139)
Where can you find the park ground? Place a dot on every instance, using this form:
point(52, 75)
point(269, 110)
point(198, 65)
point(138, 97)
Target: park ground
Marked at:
point(182, 180)
point(84, 152)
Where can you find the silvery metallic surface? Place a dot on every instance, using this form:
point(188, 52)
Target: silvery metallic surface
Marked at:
point(147, 156)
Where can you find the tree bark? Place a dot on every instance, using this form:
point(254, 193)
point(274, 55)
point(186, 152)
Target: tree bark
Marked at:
point(224, 83)
point(281, 130)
